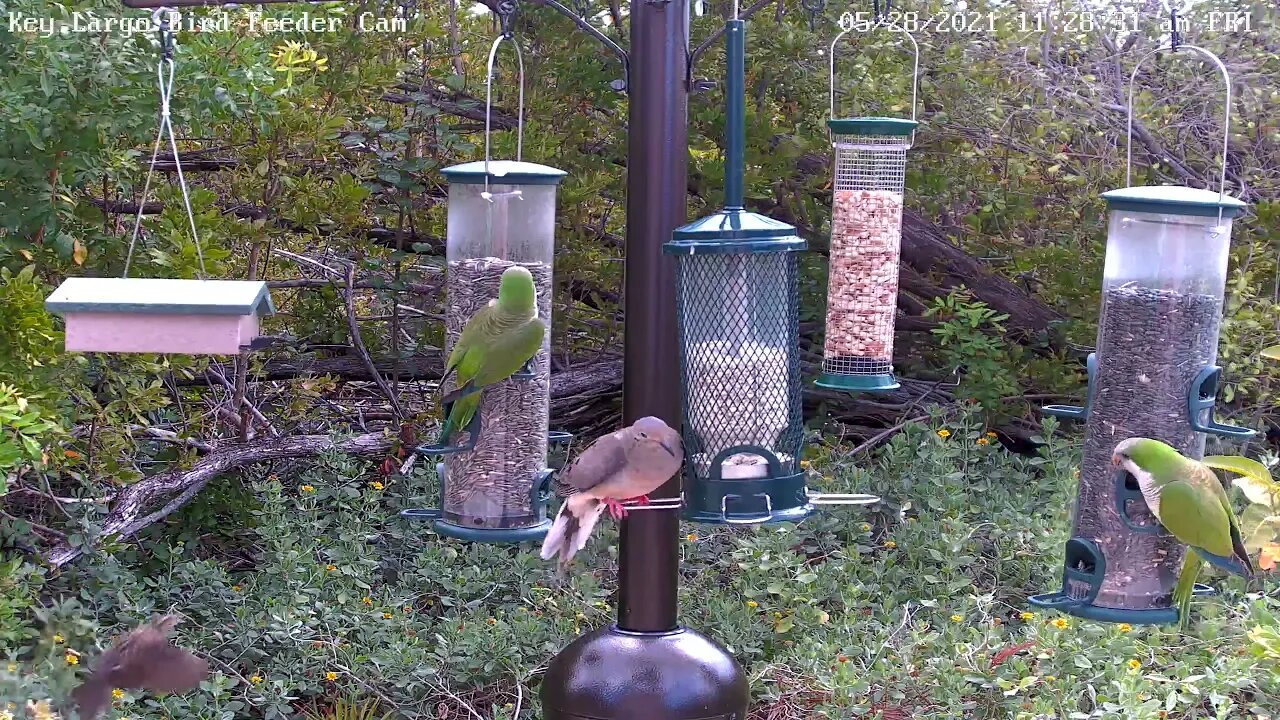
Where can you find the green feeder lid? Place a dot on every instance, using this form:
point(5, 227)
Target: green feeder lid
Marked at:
point(504, 172)
point(872, 126)
point(1173, 199)
point(734, 231)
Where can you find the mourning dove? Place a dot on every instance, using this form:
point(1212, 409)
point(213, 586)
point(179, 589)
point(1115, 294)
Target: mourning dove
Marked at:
point(142, 660)
point(629, 463)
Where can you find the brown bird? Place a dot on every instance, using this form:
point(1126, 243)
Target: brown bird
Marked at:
point(629, 463)
point(142, 660)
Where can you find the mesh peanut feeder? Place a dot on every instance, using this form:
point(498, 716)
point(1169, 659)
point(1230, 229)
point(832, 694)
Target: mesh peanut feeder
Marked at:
point(866, 232)
point(494, 483)
point(1153, 374)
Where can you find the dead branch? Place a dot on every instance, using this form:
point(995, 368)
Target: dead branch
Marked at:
point(133, 511)
point(353, 325)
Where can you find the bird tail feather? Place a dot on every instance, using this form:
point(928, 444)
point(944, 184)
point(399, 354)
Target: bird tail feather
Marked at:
point(1229, 564)
point(459, 417)
point(571, 529)
point(1186, 586)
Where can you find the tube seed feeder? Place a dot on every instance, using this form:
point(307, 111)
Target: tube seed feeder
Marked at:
point(866, 232)
point(1153, 375)
point(494, 483)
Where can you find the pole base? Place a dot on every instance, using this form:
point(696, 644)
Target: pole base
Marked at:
point(614, 674)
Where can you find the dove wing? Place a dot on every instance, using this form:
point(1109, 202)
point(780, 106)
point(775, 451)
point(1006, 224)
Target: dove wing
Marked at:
point(602, 460)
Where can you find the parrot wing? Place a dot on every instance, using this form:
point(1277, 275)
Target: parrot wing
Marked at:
point(1195, 517)
point(1237, 561)
point(509, 350)
point(463, 358)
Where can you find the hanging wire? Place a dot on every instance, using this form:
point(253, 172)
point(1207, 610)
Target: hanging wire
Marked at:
point(160, 16)
point(1226, 117)
point(846, 28)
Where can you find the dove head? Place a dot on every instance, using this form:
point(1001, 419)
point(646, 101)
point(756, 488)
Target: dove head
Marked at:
point(517, 293)
point(654, 438)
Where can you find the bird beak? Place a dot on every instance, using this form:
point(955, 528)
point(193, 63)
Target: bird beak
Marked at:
point(668, 449)
point(1116, 461)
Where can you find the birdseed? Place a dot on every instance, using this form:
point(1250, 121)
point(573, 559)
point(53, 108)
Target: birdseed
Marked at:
point(748, 384)
point(491, 486)
point(1151, 345)
point(862, 290)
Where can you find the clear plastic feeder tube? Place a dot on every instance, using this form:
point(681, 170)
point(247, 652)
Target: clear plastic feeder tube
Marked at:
point(508, 221)
point(1162, 293)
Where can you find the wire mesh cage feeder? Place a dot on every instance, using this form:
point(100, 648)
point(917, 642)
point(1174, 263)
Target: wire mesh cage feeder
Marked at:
point(737, 305)
point(1153, 374)
point(162, 315)
point(494, 481)
point(866, 232)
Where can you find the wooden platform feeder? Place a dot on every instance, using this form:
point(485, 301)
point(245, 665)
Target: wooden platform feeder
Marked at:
point(147, 315)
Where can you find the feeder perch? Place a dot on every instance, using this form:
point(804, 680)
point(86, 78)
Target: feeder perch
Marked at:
point(1154, 376)
point(150, 315)
point(737, 309)
point(866, 233)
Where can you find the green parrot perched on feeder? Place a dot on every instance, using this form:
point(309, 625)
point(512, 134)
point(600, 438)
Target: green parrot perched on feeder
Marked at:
point(1190, 502)
point(495, 344)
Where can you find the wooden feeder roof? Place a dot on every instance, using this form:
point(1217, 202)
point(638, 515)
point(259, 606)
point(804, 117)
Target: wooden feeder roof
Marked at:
point(157, 296)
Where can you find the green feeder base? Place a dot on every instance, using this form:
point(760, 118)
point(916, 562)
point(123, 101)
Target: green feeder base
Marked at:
point(1078, 608)
point(753, 501)
point(883, 382)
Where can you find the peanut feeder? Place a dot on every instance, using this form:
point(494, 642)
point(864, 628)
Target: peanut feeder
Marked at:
point(866, 230)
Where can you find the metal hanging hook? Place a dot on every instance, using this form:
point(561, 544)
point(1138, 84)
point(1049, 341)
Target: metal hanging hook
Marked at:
point(161, 18)
point(507, 10)
point(488, 103)
point(1226, 116)
point(846, 28)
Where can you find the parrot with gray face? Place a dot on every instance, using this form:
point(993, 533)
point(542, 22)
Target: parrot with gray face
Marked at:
point(629, 463)
point(495, 343)
point(1190, 502)
point(143, 659)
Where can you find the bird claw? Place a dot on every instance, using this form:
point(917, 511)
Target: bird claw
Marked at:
point(642, 500)
point(616, 510)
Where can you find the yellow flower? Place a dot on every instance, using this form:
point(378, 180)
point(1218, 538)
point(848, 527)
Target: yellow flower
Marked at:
point(72, 657)
point(1134, 665)
point(866, 527)
point(992, 436)
point(983, 441)
point(256, 679)
point(13, 667)
point(331, 676)
point(308, 488)
point(691, 537)
point(235, 588)
point(117, 693)
point(331, 568)
point(804, 464)
point(1125, 627)
point(366, 600)
point(492, 621)
point(957, 618)
point(944, 433)
point(890, 544)
point(386, 616)
point(1050, 678)
point(778, 615)
point(1028, 616)
point(376, 485)
point(753, 604)
point(1060, 623)
point(58, 639)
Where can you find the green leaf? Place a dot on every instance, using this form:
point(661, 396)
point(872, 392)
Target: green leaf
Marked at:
point(1254, 478)
point(1272, 353)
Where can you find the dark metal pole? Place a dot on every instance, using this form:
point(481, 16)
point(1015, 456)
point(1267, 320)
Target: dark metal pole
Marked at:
point(647, 667)
point(735, 113)
point(657, 167)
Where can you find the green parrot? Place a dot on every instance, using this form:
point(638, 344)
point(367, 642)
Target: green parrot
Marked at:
point(496, 342)
point(1190, 502)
